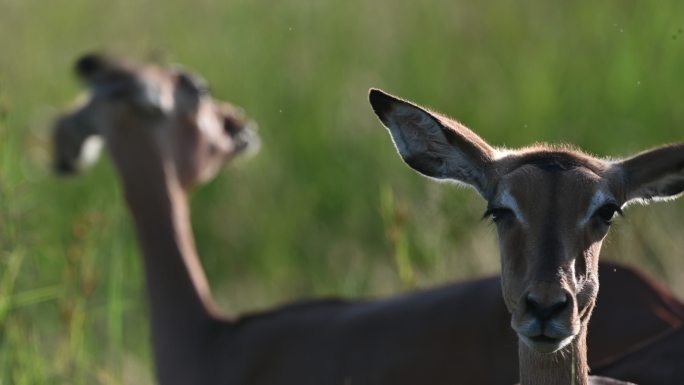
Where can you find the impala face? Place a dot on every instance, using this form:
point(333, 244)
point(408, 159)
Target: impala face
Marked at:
point(551, 218)
point(168, 109)
point(552, 207)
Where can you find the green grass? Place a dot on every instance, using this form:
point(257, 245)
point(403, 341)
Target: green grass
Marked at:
point(327, 208)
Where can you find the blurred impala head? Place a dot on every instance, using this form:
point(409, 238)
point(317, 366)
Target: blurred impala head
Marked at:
point(170, 107)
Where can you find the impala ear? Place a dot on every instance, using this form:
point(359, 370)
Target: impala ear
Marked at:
point(76, 144)
point(653, 175)
point(90, 65)
point(432, 144)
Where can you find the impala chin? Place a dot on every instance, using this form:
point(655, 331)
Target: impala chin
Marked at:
point(546, 337)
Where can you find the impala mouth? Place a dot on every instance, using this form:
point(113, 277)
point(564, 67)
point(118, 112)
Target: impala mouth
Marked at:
point(545, 344)
point(544, 339)
point(247, 141)
point(544, 336)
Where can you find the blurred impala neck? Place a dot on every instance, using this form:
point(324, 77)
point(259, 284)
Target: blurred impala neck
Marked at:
point(565, 367)
point(179, 296)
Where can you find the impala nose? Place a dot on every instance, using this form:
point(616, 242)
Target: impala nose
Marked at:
point(545, 307)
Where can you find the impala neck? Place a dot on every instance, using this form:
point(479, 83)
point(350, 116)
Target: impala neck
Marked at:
point(565, 367)
point(177, 288)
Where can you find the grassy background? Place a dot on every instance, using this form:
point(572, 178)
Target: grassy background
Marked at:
point(327, 208)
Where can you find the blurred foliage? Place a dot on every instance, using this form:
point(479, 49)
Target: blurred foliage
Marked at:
point(327, 208)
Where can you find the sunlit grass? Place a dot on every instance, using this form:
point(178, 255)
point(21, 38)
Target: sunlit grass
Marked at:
point(327, 208)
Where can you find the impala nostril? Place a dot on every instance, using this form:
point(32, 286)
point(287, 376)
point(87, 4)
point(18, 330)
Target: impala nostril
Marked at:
point(233, 125)
point(559, 306)
point(545, 311)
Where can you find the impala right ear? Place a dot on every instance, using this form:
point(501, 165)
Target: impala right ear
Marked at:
point(653, 175)
point(433, 145)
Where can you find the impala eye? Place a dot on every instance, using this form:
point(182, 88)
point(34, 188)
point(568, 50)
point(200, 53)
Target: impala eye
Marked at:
point(193, 83)
point(498, 214)
point(606, 213)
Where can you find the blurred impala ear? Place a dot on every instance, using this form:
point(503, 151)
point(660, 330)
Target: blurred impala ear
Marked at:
point(90, 65)
point(76, 144)
point(432, 144)
point(653, 175)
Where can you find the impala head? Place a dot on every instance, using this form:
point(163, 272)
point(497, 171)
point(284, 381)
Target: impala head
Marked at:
point(148, 110)
point(552, 207)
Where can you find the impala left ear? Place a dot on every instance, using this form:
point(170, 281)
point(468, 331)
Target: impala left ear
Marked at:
point(76, 143)
point(432, 144)
point(653, 175)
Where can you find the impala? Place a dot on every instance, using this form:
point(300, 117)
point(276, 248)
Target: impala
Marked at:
point(553, 206)
point(165, 135)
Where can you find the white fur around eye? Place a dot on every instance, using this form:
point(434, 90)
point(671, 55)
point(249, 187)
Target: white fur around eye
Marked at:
point(507, 200)
point(599, 199)
point(158, 96)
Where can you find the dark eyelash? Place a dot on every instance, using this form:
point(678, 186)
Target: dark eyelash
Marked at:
point(496, 213)
point(606, 213)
